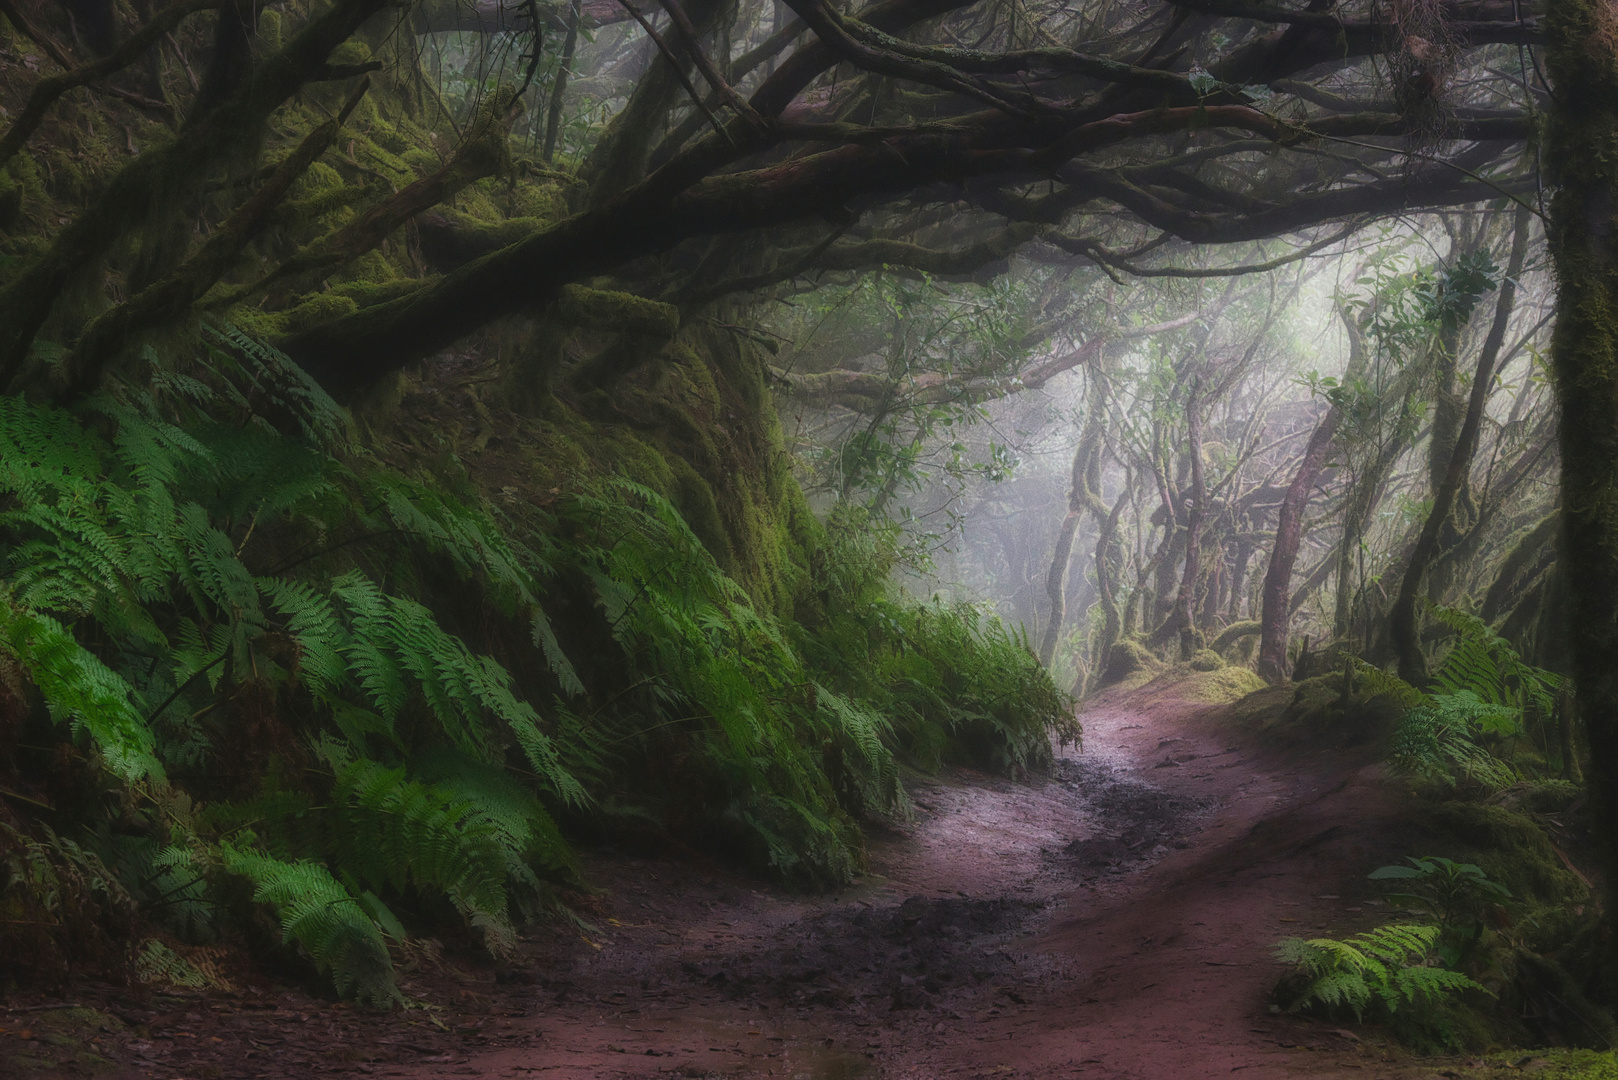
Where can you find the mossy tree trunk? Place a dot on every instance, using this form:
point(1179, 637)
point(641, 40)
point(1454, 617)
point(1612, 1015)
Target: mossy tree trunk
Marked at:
point(1403, 628)
point(1083, 494)
point(1581, 150)
point(1185, 600)
point(1276, 614)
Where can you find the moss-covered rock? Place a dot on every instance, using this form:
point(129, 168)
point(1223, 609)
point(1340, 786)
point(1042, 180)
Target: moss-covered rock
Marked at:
point(1128, 657)
point(1316, 710)
point(1220, 686)
point(1206, 660)
point(1512, 849)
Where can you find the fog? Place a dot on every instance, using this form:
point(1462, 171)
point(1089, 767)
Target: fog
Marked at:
point(944, 434)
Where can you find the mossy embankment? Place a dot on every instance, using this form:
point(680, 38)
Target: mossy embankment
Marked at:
point(1530, 948)
point(555, 585)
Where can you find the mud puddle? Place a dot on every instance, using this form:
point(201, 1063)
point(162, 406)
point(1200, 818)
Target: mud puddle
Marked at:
point(1135, 821)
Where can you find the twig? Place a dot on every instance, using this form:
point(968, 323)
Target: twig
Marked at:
point(709, 72)
point(190, 75)
point(674, 62)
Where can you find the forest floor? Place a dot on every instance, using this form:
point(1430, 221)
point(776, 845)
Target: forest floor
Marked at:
point(1113, 920)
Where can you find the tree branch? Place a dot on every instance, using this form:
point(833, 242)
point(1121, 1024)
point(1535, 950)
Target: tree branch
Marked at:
point(46, 91)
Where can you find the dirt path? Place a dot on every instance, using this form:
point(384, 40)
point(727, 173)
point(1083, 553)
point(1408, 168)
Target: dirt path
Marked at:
point(1112, 922)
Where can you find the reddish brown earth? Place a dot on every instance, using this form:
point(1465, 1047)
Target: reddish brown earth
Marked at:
point(1112, 921)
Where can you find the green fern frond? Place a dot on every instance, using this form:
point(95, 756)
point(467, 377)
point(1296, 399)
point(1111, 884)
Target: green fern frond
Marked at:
point(1440, 737)
point(314, 624)
point(284, 385)
point(81, 690)
point(396, 831)
point(1388, 964)
point(529, 834)
point(545, 640)
point(467, 535)
point(324, 918)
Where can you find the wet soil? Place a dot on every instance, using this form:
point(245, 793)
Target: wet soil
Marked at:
point(1112, 920)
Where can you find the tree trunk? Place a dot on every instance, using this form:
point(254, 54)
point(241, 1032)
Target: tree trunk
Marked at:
point(1056, 581)
point(1358, 506)
point(1082, 495)
point(1581, 150)
point(1402, 628)
point(1185, 601)
point(1238, 580)
point(1276, 613)
point(1112, 625)
point(564, 68)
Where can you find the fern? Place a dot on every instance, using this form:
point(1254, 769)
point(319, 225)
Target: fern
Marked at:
point(281, 385)
point(324, 918)
point(469, 537)
point(81, 690)
point(1386, 965)
point(718, 673)
point(1440, 737)
point(1481, 692)
point(1484, 663)
point(157, 963)
point(394, 831)
point(135, 516)
point(313, 622)
point(529, 835)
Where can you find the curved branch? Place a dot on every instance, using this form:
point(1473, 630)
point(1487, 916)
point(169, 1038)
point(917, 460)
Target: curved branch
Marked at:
point(46, 91)
point(1092, 249)
point(175, 169)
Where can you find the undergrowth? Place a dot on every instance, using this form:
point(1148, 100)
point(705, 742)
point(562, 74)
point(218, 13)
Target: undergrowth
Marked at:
point(959, 684)
point(1480, 699)
point(1386, 966)
point(264, 672)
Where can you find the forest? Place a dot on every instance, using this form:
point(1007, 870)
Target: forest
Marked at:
point(739, 538)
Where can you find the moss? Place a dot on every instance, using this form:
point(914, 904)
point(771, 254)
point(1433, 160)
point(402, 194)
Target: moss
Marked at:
point(322, 204)
point(1261, 708)
point(1313, 695)
point(1128, 657)
point(1512, 849)
point(319, 308)
point(22, 169)
point(1552, 1064)
point(1315, 711)
point(425, 162)
point(1206, 660)
point(351, 52)
point(255, 322)
point(607, 309)
point(695, 500)
point(316, 179)
point(10, 203)
point(269, 31)
point(1548, 796)
point(1219, 687)
point(371, 269)
point(543, 202)
point(1237, 631)
point(365, 293)
point(485, 235)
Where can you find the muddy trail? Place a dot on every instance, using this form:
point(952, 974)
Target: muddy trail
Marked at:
point(1113, 920)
